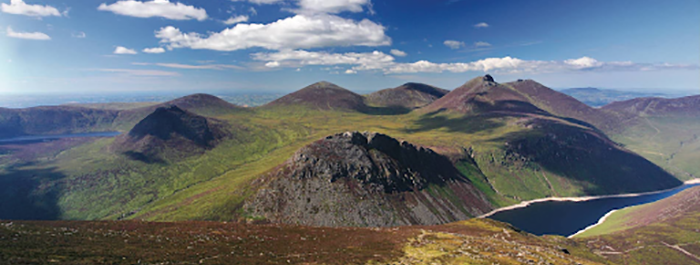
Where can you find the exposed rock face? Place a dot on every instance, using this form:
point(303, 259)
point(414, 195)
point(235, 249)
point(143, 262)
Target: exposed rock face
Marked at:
point(409, 95)
point(366, 179)
point(170, 129)
point(488, 78)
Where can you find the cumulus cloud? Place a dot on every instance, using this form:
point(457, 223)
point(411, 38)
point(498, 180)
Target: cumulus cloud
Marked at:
point(398, 53)
point(236, 20)
point(260, 2)
point(155, 8)
point(481, 25)
point(123, 50)
point(350, 72)
point(330, 6)
point(27, 35)
point(154, 50)
point(19, 7)
point(453, 44)
point(385, 63)
point(360, 61)
point(299, 31)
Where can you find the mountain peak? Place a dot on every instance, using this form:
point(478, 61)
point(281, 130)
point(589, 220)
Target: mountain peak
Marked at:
point(365, 179)
point(323, 95)
point(488, 78)
point(409, 95)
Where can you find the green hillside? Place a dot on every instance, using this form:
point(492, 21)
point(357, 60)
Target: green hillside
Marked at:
point(510, 157)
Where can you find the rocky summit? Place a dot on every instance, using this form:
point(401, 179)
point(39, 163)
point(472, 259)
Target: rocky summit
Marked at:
point(365, 179)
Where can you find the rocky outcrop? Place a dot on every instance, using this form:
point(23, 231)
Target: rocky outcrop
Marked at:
point(366, 179)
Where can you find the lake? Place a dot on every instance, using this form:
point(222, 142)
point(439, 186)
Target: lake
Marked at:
point(46, 138)
point(565, 218)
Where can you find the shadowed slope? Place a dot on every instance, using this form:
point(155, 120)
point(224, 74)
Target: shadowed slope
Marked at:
point(562, 105)
point(170, 129)
point(409, 95)
point(366, 179)
point(53, 120)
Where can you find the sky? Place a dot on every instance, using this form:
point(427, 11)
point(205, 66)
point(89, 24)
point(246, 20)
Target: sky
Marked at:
point(127, 46)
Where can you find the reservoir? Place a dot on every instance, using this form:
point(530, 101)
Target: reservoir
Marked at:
point(46, 138)
point(565, 218)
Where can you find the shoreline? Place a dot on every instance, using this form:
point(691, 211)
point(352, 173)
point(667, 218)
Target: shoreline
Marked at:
point(585, 198)
point(600, 221)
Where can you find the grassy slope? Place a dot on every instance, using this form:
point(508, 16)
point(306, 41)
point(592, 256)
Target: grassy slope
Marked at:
point(651, 233)
point(477, 241)
point(670, 142)
point(212, 186)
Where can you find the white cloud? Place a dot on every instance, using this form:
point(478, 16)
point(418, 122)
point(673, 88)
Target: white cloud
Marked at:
point(193, 67)
point(123, 50)
point(79, 35)
point(260, 2)
point(236, 20)
point(482, 44)
point(27, 35)
point(350, 72)
point(19, 7)
point(295, 32)
point(482, 25)
point(379, 61)
point(135, 72)
point(330, 6)
point(154, 50)
point(453, 44)
point(583, 62)
point(398, 53)
point(155, 8)
point(360, 61)
point(252, 11)
point(272, 64)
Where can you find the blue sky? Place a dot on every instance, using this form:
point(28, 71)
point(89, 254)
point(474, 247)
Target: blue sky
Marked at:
point(95, 46)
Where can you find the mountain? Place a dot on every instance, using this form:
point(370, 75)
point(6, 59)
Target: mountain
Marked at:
point(662, 232)
point(663, 130)
point(685, 106)
point(200, 104)
point(562, 105)
point(47, 120)
point(323, 96)
point(596, 97)
point(53, 120)
point(409, 95)
point(170, 131)
point(366, 179)
point(483, 95)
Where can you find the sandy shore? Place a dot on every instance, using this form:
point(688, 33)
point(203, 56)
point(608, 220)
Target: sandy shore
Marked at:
point(584, 198)
point(602, 220)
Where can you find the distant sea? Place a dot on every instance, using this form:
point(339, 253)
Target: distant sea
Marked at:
point(26, 101)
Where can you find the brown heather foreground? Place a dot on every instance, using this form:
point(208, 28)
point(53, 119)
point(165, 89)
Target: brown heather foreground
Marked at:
point(477, 241)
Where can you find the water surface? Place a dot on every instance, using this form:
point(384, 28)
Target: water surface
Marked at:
point(565, 218)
